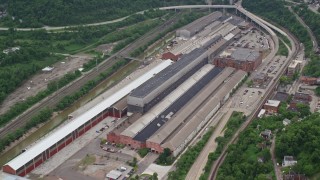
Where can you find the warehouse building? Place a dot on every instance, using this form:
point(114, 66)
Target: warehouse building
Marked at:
point(156, 140)
point(52, 144)
point(194, 122)
point(136, 135)
point(154, 90)
point(160, 107)
point(218, 46)
point(240, 58)
point(198, 25)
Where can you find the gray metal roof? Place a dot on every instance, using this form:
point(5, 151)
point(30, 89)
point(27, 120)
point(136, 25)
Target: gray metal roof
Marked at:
point(201, 23)
point(167, 130)
point(244, 54)
point(177, 139)
point(139, 125)
point(161, 119)
point(166, 74)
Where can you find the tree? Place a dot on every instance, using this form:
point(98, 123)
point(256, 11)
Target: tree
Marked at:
point(154, 176)
point(165, 157)
point(317, 90)
point(303, 109)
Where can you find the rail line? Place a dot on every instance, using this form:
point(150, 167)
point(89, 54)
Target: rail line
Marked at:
point(269, 92)
point(52, 100)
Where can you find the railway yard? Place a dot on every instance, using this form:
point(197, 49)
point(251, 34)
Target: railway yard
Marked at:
point(214, 66)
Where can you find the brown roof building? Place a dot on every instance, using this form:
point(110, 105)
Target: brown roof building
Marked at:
point(272, 106)
point(171, 56)
point(240, 58)
point(309, 80)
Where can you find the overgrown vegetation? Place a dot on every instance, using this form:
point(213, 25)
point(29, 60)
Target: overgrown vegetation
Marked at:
point(19, 62)
point(143, 152)
point(41, 117)
point(186, 160)
point(283, 50)
point(310, 18)
point(37, 13)
point(250, 157)
point(235, 121)
point(301, 141)
point(24, 105)
point(165, 158)
point(68, 100)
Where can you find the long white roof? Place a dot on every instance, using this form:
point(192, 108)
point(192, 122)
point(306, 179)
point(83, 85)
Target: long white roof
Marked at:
point(52, 139)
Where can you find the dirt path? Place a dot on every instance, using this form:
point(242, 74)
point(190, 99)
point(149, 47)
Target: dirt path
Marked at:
point(198, 166)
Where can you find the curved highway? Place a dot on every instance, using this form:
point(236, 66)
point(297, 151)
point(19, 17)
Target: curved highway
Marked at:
point(50, 28)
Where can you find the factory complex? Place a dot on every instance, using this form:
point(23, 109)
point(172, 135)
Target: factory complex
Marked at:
point(167, 106)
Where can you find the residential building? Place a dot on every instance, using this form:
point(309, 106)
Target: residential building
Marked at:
point(288, 161)
point(272, 106)
point(266, 134)
point(309, 80)
point(293, 68)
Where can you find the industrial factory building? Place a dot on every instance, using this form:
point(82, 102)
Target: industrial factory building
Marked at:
point(176, 134)
point(177, 119)
point(137, 133)
point(198, 25)
point(154, 90)
point(240, 58)
point(52, 144)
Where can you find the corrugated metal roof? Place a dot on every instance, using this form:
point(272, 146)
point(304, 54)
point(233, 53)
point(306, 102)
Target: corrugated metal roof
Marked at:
point(53, 138)
point(167, 130)
point(121, 104)
point(165, 75)
point(165, 116)
point(132, 130)
point(201, 23)
point(178, 138)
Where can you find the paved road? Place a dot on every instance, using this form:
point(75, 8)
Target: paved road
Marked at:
point(313, 38)
point(265, 97)
point(50, 28)
point(144, 163)
point(269, 89)
point(52, 100)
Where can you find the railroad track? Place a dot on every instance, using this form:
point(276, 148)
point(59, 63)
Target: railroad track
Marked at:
point(269, 92)
point(53, 100)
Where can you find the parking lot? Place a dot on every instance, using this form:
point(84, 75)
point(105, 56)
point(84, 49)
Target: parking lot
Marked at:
point(273, 67)
point(253, 40)
point(247, 98)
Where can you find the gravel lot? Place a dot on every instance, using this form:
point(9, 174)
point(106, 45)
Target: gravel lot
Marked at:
point(39, 81)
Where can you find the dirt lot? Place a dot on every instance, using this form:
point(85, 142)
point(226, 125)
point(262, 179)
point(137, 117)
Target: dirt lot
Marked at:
point(39, 81)
point(105, 48)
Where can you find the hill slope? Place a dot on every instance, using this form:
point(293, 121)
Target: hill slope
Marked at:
point(36, 13)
